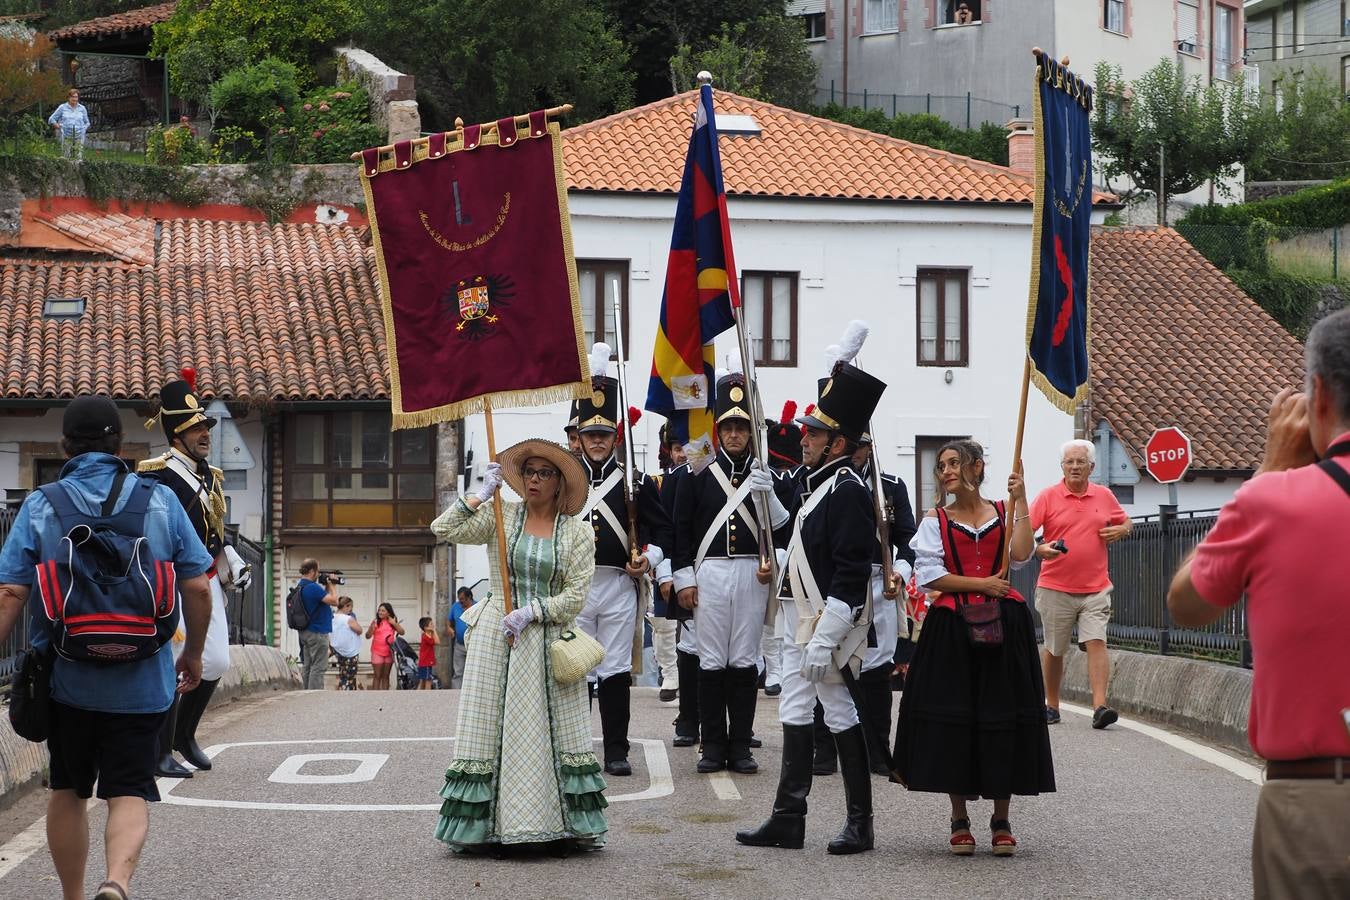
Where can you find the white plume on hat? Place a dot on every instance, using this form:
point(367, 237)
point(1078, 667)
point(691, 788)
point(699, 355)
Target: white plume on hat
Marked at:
point(854, 336)
point(600, 360)
point(719, 374)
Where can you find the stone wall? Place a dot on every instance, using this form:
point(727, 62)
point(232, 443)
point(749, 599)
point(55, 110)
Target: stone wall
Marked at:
point(393, 97)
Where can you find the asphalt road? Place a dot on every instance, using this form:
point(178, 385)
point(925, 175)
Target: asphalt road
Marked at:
point(1134, 817)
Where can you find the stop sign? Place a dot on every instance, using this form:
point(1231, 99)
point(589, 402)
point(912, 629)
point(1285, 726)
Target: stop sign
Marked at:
point(1167, 455)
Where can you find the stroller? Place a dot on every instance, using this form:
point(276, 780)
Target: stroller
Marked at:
point(405, 660)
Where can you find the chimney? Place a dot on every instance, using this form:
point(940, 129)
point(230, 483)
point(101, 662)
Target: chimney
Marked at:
point(1021, 146)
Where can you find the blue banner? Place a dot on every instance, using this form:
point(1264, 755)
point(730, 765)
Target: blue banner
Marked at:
point(1057, 312)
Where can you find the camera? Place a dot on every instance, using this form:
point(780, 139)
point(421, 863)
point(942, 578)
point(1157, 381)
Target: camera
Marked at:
point(1058, 545)
point(333, 577)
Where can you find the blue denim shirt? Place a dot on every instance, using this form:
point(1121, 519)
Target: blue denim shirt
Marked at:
point(139, 687)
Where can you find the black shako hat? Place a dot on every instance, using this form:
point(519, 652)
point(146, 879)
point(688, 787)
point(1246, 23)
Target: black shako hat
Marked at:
point(785, 439)
point(847, 402)
point(733, 401)
point(599, 411)
point(90, 416)
point(179, 408)
point(573, 416)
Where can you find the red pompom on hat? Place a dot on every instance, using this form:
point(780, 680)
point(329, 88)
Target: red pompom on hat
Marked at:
point(190, 376)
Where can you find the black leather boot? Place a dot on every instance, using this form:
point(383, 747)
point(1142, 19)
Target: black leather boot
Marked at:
point(857, 834)
point(168, 767)
point(742, 692)
point(614, 714)
point(686, 723)
point(825, 760)
point(786, 825)
point(712, 709)
point(193, 707)
point(875, 687)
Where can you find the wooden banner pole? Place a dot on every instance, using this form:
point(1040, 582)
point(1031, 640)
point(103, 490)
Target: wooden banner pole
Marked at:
point(1017, 467)
point(497, 512)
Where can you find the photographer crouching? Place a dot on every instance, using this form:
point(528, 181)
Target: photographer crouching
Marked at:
point(318, 591)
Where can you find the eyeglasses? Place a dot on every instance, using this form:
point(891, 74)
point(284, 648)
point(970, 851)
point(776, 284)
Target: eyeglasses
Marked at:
point(541, 474)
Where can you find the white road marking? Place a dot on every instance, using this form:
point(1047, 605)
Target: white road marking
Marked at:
point(23, 845)
point(723, 786)
point(1241, 769)
point(367, 767)
point(661, 784)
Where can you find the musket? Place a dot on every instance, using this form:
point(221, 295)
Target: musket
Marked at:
point(758, 440)
point(629, 459)
point(885, 515)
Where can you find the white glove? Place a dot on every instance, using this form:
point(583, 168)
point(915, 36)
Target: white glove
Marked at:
point(244, 580)
point(514, 622)
point(241, 573)
point(761, 482)
point(492, 480)
point(834, 624)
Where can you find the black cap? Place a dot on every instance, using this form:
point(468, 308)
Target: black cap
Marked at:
point(846, 403)
point(733, 402)
point(91, 416)
point(600, 411)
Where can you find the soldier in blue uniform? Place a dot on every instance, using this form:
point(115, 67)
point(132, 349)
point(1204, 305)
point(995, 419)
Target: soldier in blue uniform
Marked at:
point(686, 645)
point(718, 575)
point(829, 569)
point(617, 595)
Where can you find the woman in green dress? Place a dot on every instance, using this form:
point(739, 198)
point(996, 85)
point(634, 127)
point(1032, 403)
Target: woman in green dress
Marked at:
point(524, 771)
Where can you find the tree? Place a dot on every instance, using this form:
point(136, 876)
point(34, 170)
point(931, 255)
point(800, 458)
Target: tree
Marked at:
point(24, 81)
point(1167, 134)
point(200, 64)
point(766, 59)
point(1309, 133)
point(262, 97)
point(483, 59)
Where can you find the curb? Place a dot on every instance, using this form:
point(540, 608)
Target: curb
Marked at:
point(253, 669)
point(1208, 699)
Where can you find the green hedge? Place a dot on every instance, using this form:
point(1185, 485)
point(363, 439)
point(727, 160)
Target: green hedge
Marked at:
point(1290, 299)
point(1324, 206)
point(988, 142)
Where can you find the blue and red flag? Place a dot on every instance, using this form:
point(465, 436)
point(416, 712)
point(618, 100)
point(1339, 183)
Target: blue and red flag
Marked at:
point(700, 294)
point(1057, 310)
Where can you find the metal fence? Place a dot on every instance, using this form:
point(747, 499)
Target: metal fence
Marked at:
point(1141, 568)
point(962, 110)
point(247, 610)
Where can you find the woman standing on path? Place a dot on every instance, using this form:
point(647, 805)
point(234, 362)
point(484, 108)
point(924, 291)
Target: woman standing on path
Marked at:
point(381, 634)
point(971, 720)
point(524, 771)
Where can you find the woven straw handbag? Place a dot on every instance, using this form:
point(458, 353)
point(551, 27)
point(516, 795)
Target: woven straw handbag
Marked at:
point(574, 654)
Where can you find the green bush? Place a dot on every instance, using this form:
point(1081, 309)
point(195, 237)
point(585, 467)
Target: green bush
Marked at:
point(988, 142)
point(175, 146)
point(1323, 206)
point(261, 97)
point(332, 123)
point(1290, 299)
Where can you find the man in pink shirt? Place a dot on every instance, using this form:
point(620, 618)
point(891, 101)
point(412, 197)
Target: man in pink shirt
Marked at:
point(1076, 519)
point(1282, 541)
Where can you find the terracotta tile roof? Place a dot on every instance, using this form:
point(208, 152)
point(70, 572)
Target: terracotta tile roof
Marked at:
point(796, 155)
point(265, 313)
point(119, 23)
point(128, 238)
point(1175, 342)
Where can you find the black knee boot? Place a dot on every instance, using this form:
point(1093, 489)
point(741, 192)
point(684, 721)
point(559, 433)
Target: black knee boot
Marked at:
point(190, 715)
point(742, 692)
point(875, 687)
point(786, 826)
point(857, 834)
point(614, 714)
point(712, 709)
point(825, 760)
point(169, 767)
point(686, 723)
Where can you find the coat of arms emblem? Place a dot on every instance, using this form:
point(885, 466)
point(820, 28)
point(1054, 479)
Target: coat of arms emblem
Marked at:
point(476, 303)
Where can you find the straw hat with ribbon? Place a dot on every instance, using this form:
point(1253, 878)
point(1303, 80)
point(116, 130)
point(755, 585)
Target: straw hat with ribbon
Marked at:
point(575, 484)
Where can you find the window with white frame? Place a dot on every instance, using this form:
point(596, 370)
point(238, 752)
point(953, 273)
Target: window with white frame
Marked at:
point(1225, 36)
point(942, 311)
point(1188, 26)
point(769, 304)
point(880, 16)
point(1300, 26)
point(1114, 16)
point(602, 281)
point(1345, 77)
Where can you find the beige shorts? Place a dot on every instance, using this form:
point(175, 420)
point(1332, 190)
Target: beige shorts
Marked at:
point(1061, 611)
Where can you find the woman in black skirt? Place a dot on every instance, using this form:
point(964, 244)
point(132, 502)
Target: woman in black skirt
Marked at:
point(972, 721)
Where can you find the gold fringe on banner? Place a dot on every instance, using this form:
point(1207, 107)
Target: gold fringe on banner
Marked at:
point(499, 400)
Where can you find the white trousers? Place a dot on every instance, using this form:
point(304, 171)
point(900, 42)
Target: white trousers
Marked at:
point(797, 705)
point(730, 613)
point(216, 653)
point(771, 649)
point(886, 622)
point(688, 638)
point(610, 616)
point(663, 647)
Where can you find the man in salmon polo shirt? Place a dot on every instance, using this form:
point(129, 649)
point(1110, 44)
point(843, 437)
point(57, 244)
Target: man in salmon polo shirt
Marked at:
point(1075, 520)
point(1283, 540)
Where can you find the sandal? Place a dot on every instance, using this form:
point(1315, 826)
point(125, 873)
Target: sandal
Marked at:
point(1004, 843)
point(110, 890)
point(962, 844)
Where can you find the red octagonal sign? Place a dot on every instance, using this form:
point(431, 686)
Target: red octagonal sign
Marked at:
point(1167, 455)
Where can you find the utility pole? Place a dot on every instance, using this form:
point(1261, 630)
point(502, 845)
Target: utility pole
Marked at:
point(1162, 180)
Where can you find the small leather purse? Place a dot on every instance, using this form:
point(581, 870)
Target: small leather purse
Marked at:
point(574, 654)
point(984, 622)
point(30, 695)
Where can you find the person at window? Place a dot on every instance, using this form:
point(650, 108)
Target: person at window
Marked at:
point(381, 633)
point(971, 721)
point(524, 770)
point(964, 15)
point(463, 603)
point(70, 121)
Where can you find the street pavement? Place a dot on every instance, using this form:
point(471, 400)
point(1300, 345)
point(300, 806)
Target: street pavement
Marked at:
point(1134, 816)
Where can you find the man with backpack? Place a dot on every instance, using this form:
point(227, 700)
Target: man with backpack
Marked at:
point(112, 678)
point(309, 610)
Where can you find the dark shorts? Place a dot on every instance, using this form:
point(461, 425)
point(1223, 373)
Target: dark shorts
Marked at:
point(118, 750)
point(424, 673)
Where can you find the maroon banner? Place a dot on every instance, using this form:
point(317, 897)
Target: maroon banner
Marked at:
point(474, 250)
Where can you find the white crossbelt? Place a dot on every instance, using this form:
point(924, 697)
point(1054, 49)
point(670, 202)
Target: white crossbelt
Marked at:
point(594, 502)
point(735, 504)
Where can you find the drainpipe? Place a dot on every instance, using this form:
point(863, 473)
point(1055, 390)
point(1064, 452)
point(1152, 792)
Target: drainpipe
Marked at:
point(846, 4)
point(269, 622)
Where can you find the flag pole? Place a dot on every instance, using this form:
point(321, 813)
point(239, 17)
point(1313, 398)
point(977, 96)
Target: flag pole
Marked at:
point(497, 512)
